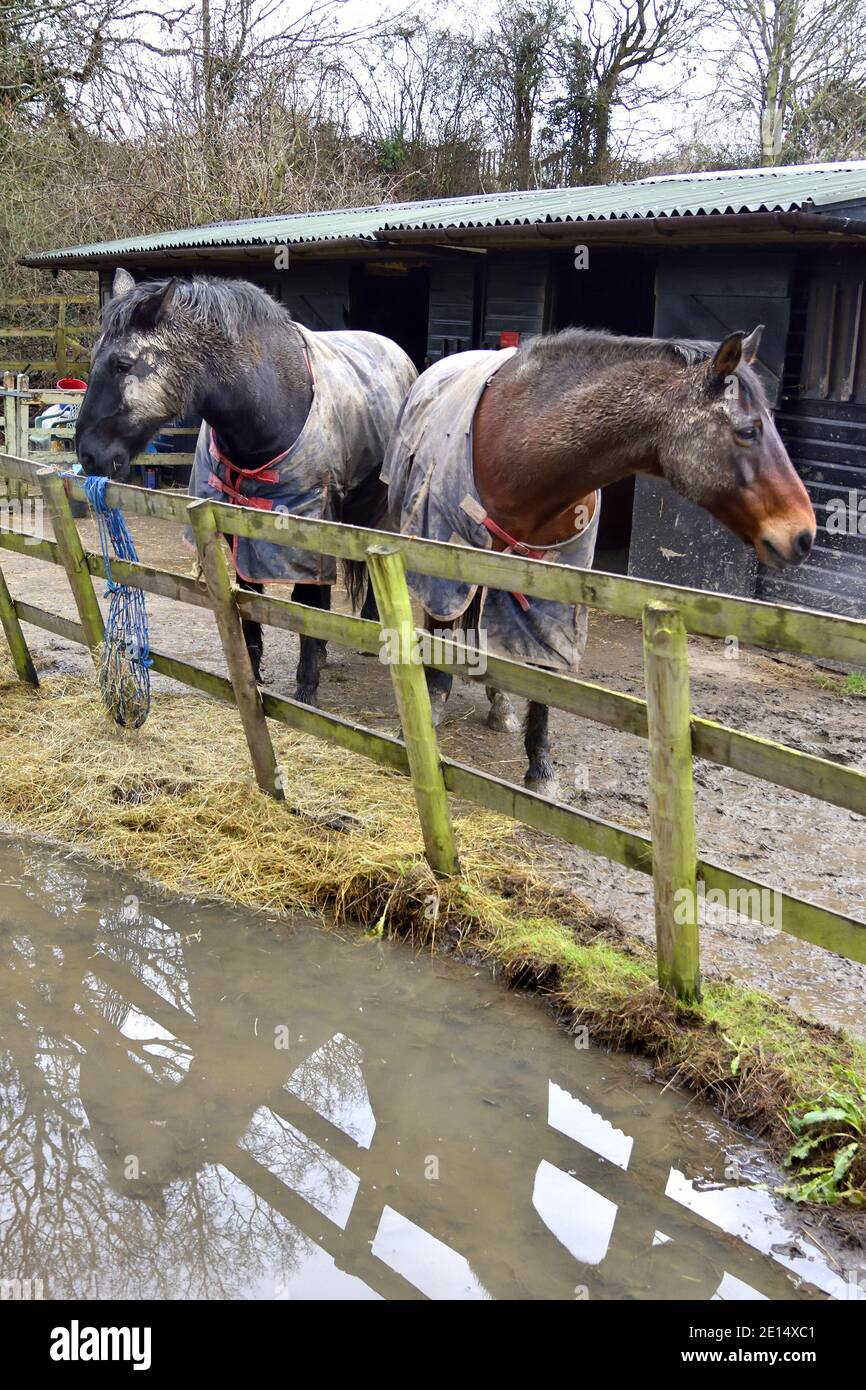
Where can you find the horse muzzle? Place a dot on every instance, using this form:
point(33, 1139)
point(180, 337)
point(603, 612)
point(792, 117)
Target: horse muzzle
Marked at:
point(779, 548)
point(114, 465)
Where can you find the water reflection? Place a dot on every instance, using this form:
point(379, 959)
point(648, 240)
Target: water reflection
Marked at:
point(578, 1216)
point(192, 1106)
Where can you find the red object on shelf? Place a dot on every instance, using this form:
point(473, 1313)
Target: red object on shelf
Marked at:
point(71, 383)
point(509, 338)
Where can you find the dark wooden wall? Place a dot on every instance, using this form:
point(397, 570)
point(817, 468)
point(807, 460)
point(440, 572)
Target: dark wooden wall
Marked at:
point(453, 319)
point(316, 295)
point(476, 297)
point(822, 419)
point(516, 295)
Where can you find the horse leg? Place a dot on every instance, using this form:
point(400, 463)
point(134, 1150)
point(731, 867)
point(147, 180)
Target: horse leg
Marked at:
point(253, 631)
point(540, 776)
point(313, 649)
point(438, 688)
point(439, 683)
point(501, 716)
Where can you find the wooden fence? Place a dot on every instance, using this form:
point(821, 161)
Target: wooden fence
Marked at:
point(70, 354)
point(55, 442)
point(675, 736)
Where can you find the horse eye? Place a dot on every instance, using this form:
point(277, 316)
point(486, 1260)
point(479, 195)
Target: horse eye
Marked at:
point(122, 363)
point(747, 435)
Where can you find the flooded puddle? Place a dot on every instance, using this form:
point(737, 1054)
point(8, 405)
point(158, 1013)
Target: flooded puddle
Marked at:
point(196, 1104)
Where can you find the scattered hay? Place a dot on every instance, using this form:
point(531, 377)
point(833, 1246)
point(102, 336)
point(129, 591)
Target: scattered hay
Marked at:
point(176, 801)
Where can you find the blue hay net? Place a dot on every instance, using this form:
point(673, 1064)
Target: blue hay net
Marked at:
point(124, 671)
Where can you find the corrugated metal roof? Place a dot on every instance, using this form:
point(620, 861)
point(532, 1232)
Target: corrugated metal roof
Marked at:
point(787, 189)
point(751, 190)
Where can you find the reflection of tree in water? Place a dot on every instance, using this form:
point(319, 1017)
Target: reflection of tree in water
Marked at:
point(332, 1082)
point(73, 1210)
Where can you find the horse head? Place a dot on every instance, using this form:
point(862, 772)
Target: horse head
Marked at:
point(135, 385)
point(719, 447)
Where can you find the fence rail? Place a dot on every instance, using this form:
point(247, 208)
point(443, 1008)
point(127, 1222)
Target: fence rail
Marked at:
point(675, 736)
point(70, 353)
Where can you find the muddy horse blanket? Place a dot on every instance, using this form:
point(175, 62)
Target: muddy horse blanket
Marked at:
point(432, 493)
point(360, 381)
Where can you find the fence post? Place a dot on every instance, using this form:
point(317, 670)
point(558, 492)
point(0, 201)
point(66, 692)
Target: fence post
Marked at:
point(15, 637)
point(15, 489)
point(388, 576)
point(73, 557)
point(10, 415)
point(247, 694)
point(60, 350)
point(671, 800)
point(22, 447)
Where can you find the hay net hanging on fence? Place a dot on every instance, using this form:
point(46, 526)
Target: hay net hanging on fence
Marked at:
point(125, 661)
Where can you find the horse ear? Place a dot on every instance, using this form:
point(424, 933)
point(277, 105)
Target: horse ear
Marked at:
point(727, 358)
point(752, 344)
point(163, 308)
point(122, 283)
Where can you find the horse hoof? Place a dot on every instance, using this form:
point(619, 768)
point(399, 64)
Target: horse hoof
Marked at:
point(502, 721)
point(543, 786)
point(307, 695)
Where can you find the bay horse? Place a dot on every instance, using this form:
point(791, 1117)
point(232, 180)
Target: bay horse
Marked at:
point(509, 450)
point(294, 421)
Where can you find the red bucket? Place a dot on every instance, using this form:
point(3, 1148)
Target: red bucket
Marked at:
point(71, 383)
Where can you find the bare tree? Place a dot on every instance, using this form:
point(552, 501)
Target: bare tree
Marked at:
point(785, 54)
point(629, 41)
point(417, 90)
point(517, 73)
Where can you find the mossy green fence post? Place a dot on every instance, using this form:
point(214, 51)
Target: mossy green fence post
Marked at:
point(247, 694)
point(73, 557)
point(15, 637)
point(388, 575)
point(672, 802)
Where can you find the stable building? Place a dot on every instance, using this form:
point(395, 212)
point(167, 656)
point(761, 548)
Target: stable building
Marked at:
point(693, 256)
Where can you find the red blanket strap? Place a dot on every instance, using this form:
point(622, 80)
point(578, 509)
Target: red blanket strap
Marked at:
point(514, 547)
point(265, 474)
point(240, 499)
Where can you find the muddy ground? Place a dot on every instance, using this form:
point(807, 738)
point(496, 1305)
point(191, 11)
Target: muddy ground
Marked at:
point(791, 841)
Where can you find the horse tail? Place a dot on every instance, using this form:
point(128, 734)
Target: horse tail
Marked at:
point(355, 580)
point(471, 615)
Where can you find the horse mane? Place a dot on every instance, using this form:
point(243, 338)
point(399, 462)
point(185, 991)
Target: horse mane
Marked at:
point(598, 346)
point(231, 307)
point(595, 347)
